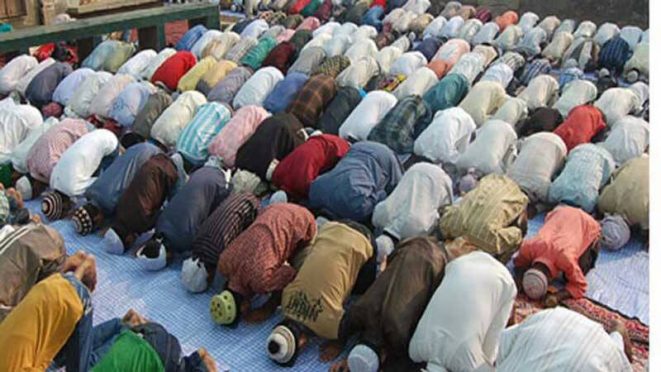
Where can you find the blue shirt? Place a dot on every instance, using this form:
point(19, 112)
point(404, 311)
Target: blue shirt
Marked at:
point(190, 38)
point(284, 92)
point(534, 69)
point(429, 46)
point(364, 177)
point(190, 207)
point(373, 17)
point(587, 170)
point(193, 141)
point(114, 180)
point(129, 102)
point(570, 74)
point(41, 88)
point(614, 54)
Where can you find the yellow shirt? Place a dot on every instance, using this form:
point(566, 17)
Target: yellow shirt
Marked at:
point(316, 296)
point(193, 76)
point(217, 72)
point(629, 192)
point(35, 331)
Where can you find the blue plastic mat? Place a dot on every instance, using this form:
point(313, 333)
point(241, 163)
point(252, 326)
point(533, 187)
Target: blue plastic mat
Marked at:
point(619, 281)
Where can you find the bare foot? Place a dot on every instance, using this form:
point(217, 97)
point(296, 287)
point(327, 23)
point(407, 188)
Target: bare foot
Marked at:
point(133, 318)
point(330, 350)
point(35, 218)
point(619, 327)
point(11, 192)
point(341, 366)
point(207, 360)
point(86, 272)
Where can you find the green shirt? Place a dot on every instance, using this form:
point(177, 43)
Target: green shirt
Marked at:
point(130, 352)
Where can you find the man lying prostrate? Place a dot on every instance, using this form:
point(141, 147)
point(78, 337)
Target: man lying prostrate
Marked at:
point(16, 121)
point(46, 153)
point(181, 217)
point(301, 167)
point(461, 326)
point(386, 315)
point(616, 103)
point(412, 209)
point(256, 262)
point(103, 195)
point(561, 340)
point(76, 170)
point(137, 210)
point(492, 151)
point(492, 216)
point(275, 138)
point(363, 178)
point(314, 301)
point(567, 243)
point(446, 137)
point(226, 222)
point(625, 201)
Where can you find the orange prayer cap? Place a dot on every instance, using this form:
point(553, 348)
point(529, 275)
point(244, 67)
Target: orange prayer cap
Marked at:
point(508, 18)
point(439, 67)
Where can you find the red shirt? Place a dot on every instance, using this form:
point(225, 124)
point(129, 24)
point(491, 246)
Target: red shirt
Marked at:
point(381, 3)
point(296, 171)
point(254, 262)
point(170, 71)
point(567, 233)
point(298, 6)
point(582, 123)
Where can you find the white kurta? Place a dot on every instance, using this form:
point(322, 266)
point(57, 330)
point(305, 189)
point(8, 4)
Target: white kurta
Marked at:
point(512, 111)
point(16, 121)
point(487, 34)
point(364, 32)
point(73, 173)
point(218, 47)
point(255, 29)
point(541, 156)
point(407, 63)
point(483, 100)
point(206, 39)
point(557, 47)
point(509, 38)
point(500, 72)
point(469, 66)
point(527, 21)
point(337, 45)
point(386, 56)
point(575, 93)
point(462, 324)
point(446, 137)
point(156, 62)
point(64, 90)
point(369, 112)
point(628, 139)
point(19, 156)
point(640, 60)
point(434, 28)
point(102, 102)
point(138, 63)
point(632, 35)
point(492, 151)
point(586, 29)
point(540, 92)
point(559, 340)
point(81, 100)
point(361, 48)
point(417, 84)
point(258, 87)
point(358, 74)
point(172, 121)
point(412, 207)
point(606, 32)
point(327, 28)
point(451, 29)
point(616, 103)
point(13, 71)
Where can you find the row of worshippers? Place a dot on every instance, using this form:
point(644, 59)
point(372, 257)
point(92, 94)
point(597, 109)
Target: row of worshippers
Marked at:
point(440, 305)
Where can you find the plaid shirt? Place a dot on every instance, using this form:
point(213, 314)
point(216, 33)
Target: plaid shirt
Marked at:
point(277, 18)
point(535, 68)
point(308, 105)
point(332, 66)
point(512, 59)
point(398, 128)
point(254, 262)
point(240, 49)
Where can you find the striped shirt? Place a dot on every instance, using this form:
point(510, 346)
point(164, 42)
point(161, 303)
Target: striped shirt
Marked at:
point(236, 132)
point(312, 98)
point(559, 339)
point(255, 262)
point(485, 216)
point(614, 54)
point(588, 169)
point(512, 59)
point(398, 128)
point(568, 75)
point(194, 139)
point(535, 68)
point(240, 49)
point(541, 156)
point(48, 149)
point(254, 57)
point(226, 222)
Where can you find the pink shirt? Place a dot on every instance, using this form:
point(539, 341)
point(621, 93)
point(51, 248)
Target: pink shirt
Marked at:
point(48, 149)
point(567, 233)
point(309, 23)
point(451, 51)
point(285, 35)
point(236, 132)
